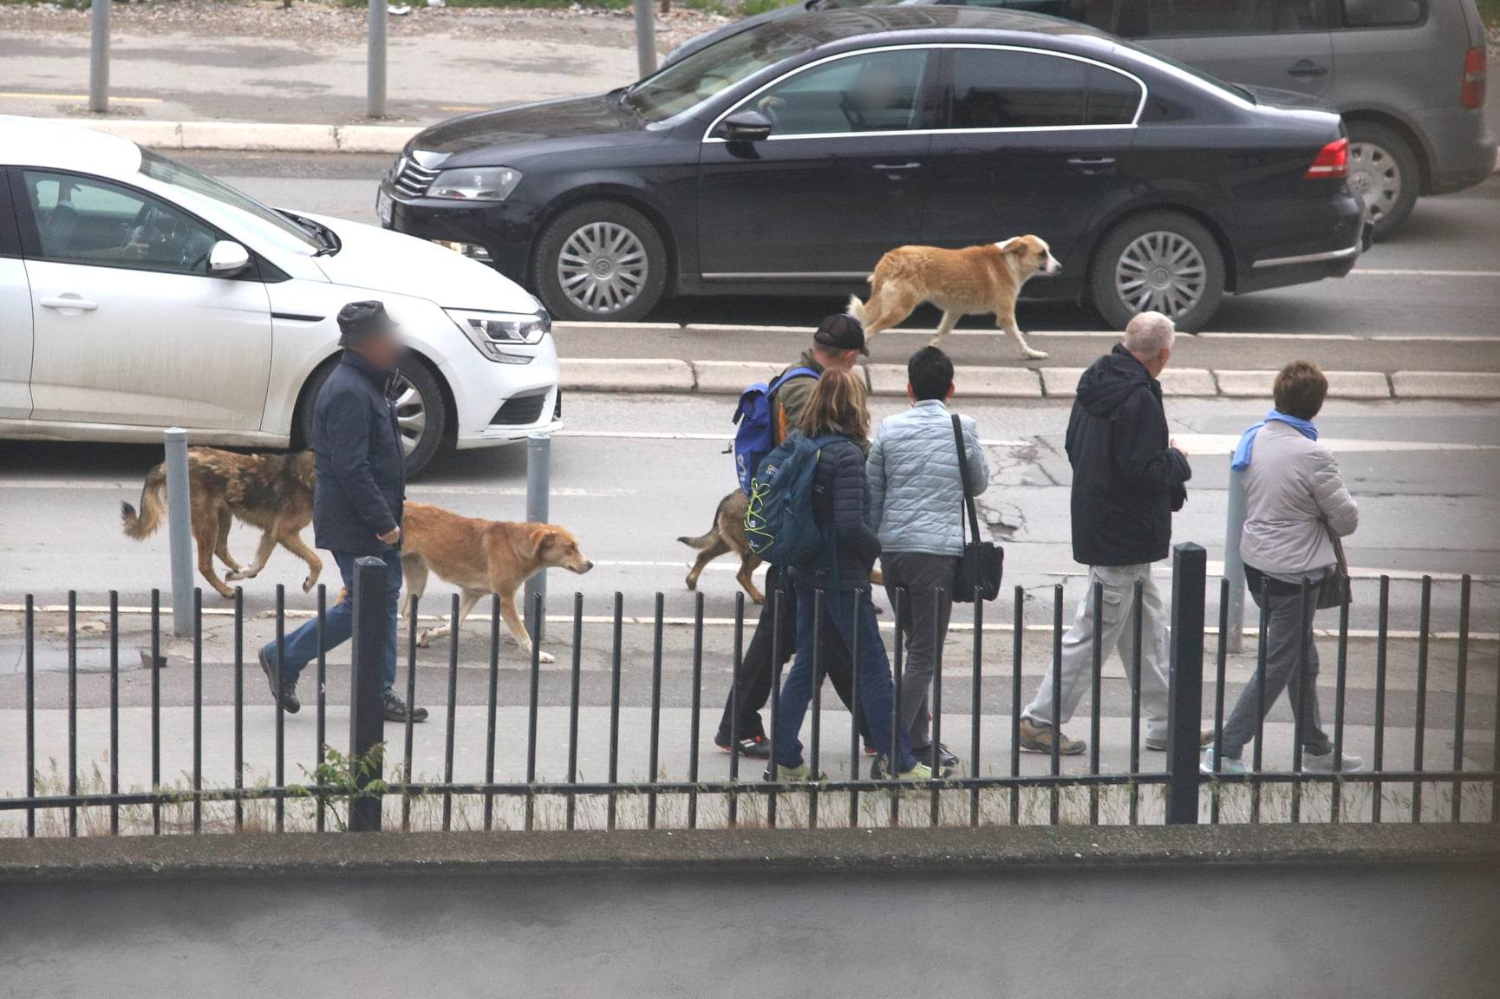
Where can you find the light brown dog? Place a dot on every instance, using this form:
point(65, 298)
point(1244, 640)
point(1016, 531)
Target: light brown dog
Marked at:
point(727, 535)
point(971, 281)
point(273, 492)
point(481, 557)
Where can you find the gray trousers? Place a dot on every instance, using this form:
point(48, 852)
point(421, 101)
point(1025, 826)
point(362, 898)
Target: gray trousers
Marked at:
point(924, 625)
point(1291, 663)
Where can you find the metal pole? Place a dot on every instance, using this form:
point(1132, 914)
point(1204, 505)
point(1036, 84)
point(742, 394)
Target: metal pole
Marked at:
point(375, 68)
point(366, 683)
point(1234, 566)
point(179, 531)
point(99, 57)
point(645, 37)
point(538, 486)
point(1185, 682)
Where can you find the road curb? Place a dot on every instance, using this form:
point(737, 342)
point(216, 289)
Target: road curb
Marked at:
point(731, 852)
point(240, 136)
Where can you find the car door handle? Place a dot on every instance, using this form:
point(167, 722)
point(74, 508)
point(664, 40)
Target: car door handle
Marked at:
point(1306, 68)
point(1091, 167)
point(69, 302)
point(897, 166)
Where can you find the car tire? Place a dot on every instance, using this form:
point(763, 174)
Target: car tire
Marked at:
point(615, 267)
point(1178, 259)
point(1383, 170)
point(420, 399)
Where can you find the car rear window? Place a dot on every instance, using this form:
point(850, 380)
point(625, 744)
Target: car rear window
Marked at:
point(1166, 18)
point(1003, 88)
point(1383, 13)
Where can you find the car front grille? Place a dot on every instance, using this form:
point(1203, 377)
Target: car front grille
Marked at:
point(521, 410)
point(413, 180)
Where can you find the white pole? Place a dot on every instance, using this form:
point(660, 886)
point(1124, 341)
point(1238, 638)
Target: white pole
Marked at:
point(538, 488)
point(645, 37)
point(99, 56)
point(179, 531)
point(375, 70)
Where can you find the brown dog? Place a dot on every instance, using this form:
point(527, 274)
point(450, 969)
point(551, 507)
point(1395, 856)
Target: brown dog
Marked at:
point(971, 281)
point(726, 535)
point(481, 557)
point(273, 492)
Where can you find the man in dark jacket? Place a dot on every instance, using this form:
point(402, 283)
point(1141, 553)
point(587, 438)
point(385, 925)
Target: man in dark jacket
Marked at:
point(361, 486)
point(1128, 478)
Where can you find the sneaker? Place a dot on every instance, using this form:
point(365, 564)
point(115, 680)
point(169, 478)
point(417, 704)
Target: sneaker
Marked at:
point(947, 761)
point(918, 771)
point(753, 746)
point(1158, 743)
point(288, 691)
point(801, 772)
point(1036, 738)
point(394, 709)
point(1323, 763)
point(1228, 765)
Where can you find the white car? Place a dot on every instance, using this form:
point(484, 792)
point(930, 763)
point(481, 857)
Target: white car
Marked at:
point(138, 294)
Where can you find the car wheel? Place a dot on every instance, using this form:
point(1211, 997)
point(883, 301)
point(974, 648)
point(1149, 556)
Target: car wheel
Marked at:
point(421, 414)
point(600, 261)
point(1383, 171)
point(1159, 262)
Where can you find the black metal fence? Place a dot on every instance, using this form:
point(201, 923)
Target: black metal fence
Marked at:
point(358, 782)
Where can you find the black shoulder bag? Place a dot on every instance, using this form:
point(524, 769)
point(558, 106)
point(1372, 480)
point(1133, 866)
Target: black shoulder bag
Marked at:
point(983, 562)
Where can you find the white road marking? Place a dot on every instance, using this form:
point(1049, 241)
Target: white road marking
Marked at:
point(1396, 575)
point(415, 491)
point(674, 435)
point(1405, 272)
point(1225, 443)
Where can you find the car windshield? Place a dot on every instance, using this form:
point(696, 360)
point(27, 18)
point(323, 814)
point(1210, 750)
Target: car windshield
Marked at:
point(689, 82)
point(260, 221)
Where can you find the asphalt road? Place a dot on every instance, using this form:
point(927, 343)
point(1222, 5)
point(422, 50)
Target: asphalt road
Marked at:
point(1439, 276)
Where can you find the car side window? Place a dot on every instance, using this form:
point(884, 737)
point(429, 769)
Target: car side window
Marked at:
point(1383, 13)
point(88, 221)
point(999, 88)
point(877, 92)
point(1166, 18)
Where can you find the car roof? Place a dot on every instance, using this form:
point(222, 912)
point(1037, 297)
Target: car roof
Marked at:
point(849, 22)
point(37, 142)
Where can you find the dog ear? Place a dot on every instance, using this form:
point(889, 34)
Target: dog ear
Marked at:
point(1006, 245)
point(539, 538)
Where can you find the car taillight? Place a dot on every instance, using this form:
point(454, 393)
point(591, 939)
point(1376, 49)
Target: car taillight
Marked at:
point(1332, 160)
point(1471, 95)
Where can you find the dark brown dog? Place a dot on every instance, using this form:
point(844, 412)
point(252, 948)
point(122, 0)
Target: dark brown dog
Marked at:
point(273, 492)
point(727, 535)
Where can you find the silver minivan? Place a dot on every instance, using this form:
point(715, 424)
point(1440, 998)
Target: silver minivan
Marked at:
point(1408, 75)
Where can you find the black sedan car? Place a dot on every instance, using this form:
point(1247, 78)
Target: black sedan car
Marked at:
point(786, 159)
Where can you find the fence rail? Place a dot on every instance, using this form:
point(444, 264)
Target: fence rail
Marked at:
point(371, 785)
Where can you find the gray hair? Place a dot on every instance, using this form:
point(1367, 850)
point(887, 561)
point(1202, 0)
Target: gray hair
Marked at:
point(1148, 334)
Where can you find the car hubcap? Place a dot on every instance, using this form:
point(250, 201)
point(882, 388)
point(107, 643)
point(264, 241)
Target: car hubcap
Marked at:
point(602, 267)
point(411, 415)
point(1375, 176)
point(1161, 271)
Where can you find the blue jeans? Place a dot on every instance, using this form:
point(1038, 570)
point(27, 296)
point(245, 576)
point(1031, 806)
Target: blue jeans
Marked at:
point(876, 698)
point(301, 646)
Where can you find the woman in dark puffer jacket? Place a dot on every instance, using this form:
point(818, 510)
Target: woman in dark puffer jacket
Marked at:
point(842, 573)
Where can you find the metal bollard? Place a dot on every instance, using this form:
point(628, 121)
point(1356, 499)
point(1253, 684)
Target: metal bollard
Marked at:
point(645, 38)
point(1234, 566)
point(538, 486)
point(99, 57)
point(180, 531)
point(1185, 682)
point(375, 61)
point(366, 683)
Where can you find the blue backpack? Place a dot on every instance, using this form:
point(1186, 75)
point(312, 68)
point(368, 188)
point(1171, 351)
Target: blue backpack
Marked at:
point(756, 435)
point(779, 524)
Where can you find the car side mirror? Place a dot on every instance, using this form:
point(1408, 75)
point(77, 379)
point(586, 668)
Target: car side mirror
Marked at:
point(748, 125)
point(227, 258)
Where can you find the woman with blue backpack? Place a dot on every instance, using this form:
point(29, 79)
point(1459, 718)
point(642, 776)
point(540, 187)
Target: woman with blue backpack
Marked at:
point(838, 562)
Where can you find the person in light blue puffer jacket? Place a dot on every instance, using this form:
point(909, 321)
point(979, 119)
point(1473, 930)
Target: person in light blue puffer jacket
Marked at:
point(916, 506)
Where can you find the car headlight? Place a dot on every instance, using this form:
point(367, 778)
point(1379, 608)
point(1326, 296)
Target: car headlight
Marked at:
point(492, 332)
point(475, 184)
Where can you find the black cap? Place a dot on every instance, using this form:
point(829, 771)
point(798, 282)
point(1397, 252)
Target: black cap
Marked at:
point(362, 320)
point(841, 332)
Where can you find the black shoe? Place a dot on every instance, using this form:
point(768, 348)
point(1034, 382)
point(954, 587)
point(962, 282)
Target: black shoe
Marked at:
point(288, 691)
point(394, 709)
point(946, 760)
point(753, 746)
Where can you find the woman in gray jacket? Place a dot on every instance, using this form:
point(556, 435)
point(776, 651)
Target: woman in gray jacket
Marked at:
point(1295, 502)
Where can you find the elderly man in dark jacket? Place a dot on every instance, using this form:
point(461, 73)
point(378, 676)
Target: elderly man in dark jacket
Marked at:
point(1128, 478)
point(361, 485)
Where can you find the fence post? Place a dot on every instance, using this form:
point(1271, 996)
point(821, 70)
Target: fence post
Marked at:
point(1185, 682)
point(366, 678)
point(1234, 566)
point(538, 486)
point(99, 58)
point(375, 61)
point(645, 38)
point(179, 531)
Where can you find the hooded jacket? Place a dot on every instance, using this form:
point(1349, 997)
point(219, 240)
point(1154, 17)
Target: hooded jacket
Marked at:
point(1127, 481)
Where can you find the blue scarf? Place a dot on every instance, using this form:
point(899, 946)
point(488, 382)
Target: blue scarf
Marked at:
point(1247, 439)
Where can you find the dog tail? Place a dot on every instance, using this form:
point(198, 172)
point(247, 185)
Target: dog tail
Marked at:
point(702, 541)
point(857, 308)
point(152, 506)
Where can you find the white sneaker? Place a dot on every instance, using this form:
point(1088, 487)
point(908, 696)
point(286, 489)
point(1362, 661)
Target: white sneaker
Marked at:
point(1314, 763)
point(1228, 765)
